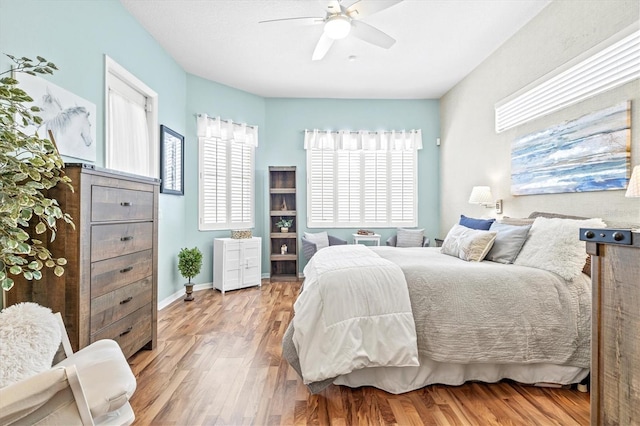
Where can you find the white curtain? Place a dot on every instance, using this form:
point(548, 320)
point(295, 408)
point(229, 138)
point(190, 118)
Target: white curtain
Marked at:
point(227, 130)
point(346, 140)
point(129, 138)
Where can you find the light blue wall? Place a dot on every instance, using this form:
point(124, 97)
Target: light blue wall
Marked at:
point(76, 35)
point(218, 100)
point(288, 118)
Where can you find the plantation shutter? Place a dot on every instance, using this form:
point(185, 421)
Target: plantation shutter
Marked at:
point(362, 179)
point(320, 193)
point(214, 182)
point(227, 174)
point(348, 187)
point(240, 184)
point(402, 184)
point(376, 179)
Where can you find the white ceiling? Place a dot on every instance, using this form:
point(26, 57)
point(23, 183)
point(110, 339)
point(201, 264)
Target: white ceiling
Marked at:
point(438, 43)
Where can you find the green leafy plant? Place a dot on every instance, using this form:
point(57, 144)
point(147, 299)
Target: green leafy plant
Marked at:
point(284, 223)
point(29, 166)
point(189, 262)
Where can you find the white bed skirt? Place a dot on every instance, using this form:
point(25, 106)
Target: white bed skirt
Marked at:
point(405, 379)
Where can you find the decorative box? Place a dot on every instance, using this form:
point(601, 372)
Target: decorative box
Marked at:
point(239, 234)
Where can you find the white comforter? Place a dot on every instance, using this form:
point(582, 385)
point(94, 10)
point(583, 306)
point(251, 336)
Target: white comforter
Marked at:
point(353, 312)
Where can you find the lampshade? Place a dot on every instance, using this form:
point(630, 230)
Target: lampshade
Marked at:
point(337, 27)
point(481, 195)
point(633, 190)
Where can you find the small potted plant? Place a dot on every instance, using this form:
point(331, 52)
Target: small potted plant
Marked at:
point(189, 264)
point(284, 224)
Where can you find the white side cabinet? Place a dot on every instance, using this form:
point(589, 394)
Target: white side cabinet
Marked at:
point(236, 263)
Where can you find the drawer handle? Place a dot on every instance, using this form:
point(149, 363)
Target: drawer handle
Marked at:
point(127, 300)
point(127, 331)
point(125, 204)
point(129, 238)
point(127, 269)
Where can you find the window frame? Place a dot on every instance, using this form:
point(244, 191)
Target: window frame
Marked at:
point(113, 70)
point(229, 224)
point(334, 196)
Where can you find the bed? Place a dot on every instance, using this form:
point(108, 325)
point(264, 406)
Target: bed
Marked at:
point(403, 318)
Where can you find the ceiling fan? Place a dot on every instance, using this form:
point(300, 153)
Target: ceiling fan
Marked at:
point(340, 21)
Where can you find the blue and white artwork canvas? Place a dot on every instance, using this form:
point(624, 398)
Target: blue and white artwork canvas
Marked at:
point(71, 119)
point(591, 153)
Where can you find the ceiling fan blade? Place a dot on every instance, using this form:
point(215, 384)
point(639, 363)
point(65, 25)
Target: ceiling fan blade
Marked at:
point(303, 20)
point(322, 47)
point(371, 34)
point(364, 8)
point(330, 6)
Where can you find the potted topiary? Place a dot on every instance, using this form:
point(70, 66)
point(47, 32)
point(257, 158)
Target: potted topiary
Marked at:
point(189, 264)
point(284, 224)
point(30, 165)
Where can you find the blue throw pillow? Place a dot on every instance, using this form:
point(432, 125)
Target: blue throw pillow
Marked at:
point(470, 222)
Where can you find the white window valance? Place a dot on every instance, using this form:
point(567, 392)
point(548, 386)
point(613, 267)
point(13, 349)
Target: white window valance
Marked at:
point(364, 140)
point(210, 127)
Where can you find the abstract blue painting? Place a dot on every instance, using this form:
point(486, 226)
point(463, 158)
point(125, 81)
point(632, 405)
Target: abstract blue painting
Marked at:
point(591, 153)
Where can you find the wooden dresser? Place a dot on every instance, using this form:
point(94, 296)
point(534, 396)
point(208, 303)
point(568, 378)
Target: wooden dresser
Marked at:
point(109, 288)
point(615, 346)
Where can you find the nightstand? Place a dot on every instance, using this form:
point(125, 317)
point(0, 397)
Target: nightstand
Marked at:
point(375, 238)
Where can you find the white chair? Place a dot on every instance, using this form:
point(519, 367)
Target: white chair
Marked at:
point(89, 387)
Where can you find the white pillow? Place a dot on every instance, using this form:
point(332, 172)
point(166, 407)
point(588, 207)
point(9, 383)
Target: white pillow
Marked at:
point(554, 245)
point(468, 244)
point(30, 336)
point(409, 237)
point(321, 239)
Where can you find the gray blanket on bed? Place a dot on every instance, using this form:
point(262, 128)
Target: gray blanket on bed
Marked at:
point(486, 312)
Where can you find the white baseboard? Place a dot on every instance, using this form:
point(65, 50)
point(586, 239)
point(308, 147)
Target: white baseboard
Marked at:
point(179, 294)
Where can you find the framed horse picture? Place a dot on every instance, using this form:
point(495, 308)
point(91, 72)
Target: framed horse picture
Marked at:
point(70, 118)
point(171, 161)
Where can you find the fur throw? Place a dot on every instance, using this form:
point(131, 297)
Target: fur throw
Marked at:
point(554, 245)
point(29, 338)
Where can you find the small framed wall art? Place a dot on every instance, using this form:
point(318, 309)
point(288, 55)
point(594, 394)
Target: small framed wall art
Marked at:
point(171, 161)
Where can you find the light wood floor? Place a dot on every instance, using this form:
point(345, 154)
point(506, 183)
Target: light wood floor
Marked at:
point(218, 362)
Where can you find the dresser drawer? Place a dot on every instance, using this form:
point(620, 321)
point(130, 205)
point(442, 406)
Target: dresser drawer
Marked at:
point(117, 304)
point(131, 332)
point(111, 204)
point(109, 241)
point(111, 274)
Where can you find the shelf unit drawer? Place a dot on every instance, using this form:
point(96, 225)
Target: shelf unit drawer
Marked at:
point(129, 331)
point(111, 274)
point(113, 306)
point(109, 241)
point(118, 204)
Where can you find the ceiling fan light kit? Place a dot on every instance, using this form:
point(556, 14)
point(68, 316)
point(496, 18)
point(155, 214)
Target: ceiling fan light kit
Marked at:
point(337, 27)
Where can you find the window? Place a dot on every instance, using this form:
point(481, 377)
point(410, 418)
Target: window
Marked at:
point(227, 156)
point(131, 122)
point(362, 179)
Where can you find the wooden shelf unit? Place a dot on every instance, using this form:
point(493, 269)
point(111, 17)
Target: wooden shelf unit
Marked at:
point(282, 205)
